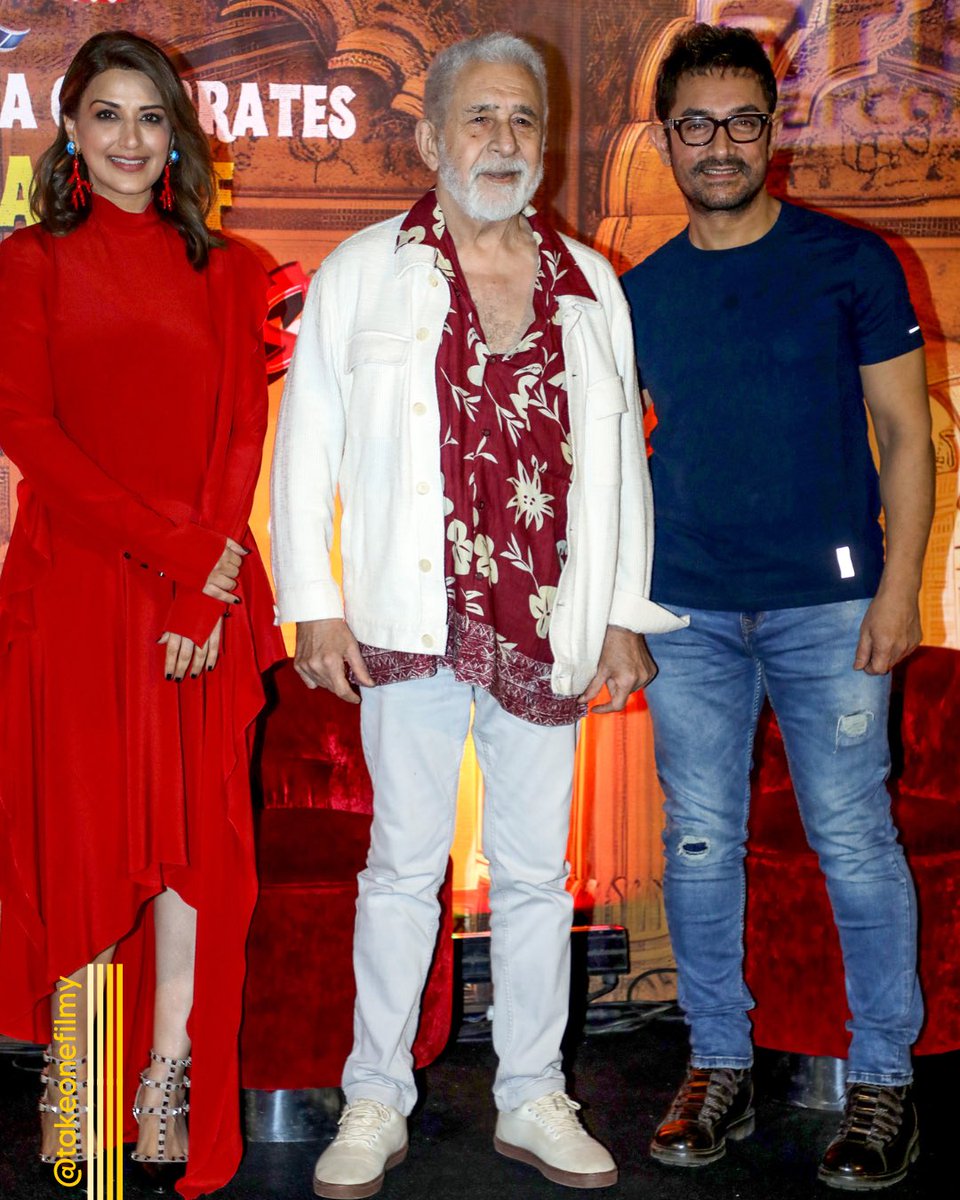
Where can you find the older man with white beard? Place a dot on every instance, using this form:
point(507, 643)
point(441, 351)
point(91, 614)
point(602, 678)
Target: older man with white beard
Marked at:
point(464, 377)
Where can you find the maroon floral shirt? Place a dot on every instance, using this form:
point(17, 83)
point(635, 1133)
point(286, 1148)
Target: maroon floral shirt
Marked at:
point(506, 461)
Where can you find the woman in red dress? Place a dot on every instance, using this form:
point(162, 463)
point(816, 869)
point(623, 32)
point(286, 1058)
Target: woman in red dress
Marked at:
point(133, 399)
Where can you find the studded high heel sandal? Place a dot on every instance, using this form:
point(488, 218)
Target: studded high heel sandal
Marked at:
point(70, 1107)
point(162, 1169)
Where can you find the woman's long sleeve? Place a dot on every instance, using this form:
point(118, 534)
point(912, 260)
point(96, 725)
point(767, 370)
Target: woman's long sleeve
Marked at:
point(238, 286)
point(63, 477)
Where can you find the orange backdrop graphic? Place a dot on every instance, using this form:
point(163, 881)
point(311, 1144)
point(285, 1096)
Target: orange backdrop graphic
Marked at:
point(311, 105)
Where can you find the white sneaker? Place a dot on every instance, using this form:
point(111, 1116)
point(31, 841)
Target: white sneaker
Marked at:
point(372, 1138)
point(547, 1134)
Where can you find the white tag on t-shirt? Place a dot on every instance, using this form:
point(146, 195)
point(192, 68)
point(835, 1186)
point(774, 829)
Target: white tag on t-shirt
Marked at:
point(845, 562)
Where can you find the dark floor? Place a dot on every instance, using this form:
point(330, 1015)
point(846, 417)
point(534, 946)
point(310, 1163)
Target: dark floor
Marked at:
point(624, 1081)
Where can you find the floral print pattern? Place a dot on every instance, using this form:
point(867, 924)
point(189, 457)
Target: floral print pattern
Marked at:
point(506, 461)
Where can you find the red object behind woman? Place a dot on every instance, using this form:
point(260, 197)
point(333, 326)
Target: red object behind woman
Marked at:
point(133, 399)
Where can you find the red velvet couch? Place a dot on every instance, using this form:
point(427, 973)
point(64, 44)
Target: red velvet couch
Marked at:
point(793, 963)
point(313, 832)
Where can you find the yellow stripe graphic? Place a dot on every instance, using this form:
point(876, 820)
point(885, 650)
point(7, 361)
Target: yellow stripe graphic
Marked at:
point(98, 1164)
point(90, 1132)
point(119, 1113)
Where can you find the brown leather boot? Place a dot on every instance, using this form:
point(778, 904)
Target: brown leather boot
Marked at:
point(711, 1106)
point(877, 1140)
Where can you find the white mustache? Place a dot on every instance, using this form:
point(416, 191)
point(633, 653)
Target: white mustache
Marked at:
point(501, 166)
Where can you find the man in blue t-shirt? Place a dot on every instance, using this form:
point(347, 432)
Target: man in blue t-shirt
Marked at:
point(761, 330)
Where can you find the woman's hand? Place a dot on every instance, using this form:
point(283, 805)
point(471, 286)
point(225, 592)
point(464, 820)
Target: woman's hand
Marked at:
point(184, 654)
point(222, 580)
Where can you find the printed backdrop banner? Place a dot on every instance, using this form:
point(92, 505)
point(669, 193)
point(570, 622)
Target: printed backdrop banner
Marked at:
point(311, 106)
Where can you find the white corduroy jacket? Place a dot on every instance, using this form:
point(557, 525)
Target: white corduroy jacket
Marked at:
point(360, 414)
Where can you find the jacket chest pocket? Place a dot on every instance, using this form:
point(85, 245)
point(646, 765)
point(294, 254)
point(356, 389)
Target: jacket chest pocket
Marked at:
point(605, 405)
point(376, 364)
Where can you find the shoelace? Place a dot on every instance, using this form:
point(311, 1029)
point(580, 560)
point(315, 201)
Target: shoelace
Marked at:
point(557, 1113)
point(704, 1096)
point(360, 1123)
point(873, 1114)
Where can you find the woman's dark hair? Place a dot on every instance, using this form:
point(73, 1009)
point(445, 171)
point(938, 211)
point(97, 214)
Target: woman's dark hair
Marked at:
point(700, 49)
point(193, 179)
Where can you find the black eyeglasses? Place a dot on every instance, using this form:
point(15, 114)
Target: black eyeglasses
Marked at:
point(700, 131)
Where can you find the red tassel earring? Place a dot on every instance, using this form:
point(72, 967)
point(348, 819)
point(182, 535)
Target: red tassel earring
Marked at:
point(80, 188)
point(166, 192)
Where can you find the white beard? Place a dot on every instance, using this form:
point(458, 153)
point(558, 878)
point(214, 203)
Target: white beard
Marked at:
point(508, 200)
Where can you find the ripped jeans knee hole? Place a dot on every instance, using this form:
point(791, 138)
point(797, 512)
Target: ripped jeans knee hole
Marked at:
point(692, 847)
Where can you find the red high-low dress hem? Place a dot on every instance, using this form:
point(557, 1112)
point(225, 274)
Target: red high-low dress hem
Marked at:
point(133, 399)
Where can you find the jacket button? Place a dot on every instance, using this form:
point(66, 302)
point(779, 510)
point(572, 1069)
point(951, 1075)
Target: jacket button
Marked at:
point(422, 334)
point(427, 640)
point(422, 489)
point(424, 564)
point(419, 408)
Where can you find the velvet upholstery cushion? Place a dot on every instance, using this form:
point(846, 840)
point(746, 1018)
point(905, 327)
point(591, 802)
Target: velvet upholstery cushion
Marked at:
point(310, 753)
point(793, 963)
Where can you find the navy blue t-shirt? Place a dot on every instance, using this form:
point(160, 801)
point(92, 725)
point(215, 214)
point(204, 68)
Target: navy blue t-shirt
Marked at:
point(765, 491)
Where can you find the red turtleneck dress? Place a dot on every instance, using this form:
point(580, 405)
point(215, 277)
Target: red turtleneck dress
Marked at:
point(133, 399)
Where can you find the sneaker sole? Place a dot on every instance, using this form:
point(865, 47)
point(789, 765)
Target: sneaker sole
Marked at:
point(853, 1183)
point(358, 1191)
point(573, 1179)
point(680, 1157)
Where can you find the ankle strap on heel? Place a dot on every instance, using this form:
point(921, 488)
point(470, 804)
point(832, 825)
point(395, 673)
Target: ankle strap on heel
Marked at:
point(170, 1062)
point(170, 1087)
point(50, 1057)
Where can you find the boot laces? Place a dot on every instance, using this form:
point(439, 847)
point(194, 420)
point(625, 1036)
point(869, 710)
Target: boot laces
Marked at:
point(557, 1113)
point(704, 1096)
point(873, 1114)
point(361, 1123)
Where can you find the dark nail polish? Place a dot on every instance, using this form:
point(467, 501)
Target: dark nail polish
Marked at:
point(168, 676)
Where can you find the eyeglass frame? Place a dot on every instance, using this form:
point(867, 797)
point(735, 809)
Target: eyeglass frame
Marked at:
point(718, 123)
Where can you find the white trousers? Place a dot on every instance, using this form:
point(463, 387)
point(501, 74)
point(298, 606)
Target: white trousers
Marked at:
point(413, 736)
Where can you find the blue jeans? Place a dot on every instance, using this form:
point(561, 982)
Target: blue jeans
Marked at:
point(705, 702)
